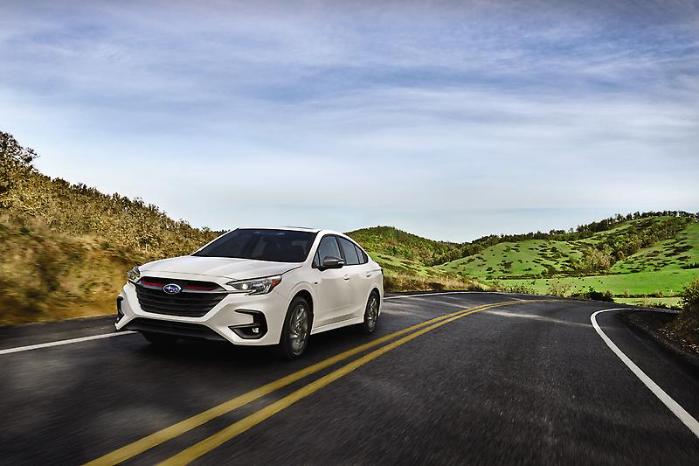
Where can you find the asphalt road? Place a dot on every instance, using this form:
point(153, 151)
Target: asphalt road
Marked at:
point(525, 381)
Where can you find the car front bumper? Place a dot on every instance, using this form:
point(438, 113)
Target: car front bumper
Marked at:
point(232, 319)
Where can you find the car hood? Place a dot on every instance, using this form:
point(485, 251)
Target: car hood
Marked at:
point(237, 269)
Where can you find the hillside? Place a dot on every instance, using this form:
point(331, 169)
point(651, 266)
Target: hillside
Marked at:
point(406, 260)
point(66, 248)
point(648, 256)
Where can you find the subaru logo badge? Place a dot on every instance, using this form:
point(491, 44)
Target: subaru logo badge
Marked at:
point(172, 288)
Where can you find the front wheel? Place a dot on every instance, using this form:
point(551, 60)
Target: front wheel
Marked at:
point(296, 330)
point(371, 313)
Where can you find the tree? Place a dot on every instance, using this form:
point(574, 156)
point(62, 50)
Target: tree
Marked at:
point(15, 164)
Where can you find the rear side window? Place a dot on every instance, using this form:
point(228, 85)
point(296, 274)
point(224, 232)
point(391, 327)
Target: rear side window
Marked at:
point(328, 248)
point(349, 251)
point(363, 258)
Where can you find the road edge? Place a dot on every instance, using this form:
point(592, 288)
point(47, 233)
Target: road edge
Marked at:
point(671, 347)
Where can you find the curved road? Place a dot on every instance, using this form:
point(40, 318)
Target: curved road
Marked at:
point(463, 378)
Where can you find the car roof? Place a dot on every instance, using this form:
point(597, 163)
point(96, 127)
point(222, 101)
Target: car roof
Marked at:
point(308, 229)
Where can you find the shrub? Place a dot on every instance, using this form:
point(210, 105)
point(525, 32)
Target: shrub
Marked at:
point(559, 288)
point(595, 295)
point(686, 325)
point(690, 298)
point(520, 289)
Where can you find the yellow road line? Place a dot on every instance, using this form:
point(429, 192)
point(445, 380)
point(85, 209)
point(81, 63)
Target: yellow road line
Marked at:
point(146, 443)
point(201, 448)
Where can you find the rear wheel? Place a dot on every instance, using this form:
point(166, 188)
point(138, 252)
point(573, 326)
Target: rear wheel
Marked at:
point(371, 313)
point(296, 330)
point(159, 339)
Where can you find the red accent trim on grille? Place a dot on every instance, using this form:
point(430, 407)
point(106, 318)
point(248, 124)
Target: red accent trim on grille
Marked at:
point(187, 285)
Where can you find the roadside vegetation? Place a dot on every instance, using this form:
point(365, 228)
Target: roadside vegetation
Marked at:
point(685, 327)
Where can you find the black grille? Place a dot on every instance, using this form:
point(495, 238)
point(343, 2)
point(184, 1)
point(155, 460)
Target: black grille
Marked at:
point(173, 328)
point(185, 304)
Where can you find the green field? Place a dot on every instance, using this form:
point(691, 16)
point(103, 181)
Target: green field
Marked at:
point(664, 283)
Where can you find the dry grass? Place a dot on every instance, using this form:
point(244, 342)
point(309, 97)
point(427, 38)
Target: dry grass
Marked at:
point(400, 282)
point(45, 275)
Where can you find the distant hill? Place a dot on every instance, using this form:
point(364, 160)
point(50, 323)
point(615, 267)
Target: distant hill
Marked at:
point(633, 257)
point(66, 248)
point(648, 255)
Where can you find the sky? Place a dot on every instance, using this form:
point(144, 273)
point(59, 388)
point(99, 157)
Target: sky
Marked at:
point(451, 120)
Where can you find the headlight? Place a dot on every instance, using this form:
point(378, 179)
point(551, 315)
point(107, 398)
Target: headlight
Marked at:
point(256, 285)
point(133, 275)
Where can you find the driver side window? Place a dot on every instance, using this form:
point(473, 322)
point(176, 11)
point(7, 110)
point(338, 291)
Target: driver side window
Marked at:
point(328, 247)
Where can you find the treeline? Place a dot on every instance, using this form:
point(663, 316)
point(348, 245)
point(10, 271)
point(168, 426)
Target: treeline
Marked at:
point(617, 247)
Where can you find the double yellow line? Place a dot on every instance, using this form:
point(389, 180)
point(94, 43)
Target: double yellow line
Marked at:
point(197, 450)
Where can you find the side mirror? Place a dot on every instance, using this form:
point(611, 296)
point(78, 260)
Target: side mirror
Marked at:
point(330, 262)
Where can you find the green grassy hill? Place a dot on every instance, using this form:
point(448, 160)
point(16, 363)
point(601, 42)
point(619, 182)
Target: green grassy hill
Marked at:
point(649, 256)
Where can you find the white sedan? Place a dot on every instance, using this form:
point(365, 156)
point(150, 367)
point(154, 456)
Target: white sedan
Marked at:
point(255, 286)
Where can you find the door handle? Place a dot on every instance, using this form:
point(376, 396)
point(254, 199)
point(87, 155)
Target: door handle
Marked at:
point(346, 277)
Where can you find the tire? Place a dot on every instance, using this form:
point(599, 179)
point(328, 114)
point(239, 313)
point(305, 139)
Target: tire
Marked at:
point(371, 313)
point(296, 330)
point(159, 339)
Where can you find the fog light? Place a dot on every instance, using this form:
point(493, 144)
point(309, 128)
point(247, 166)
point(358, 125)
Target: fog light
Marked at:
point(256, 329)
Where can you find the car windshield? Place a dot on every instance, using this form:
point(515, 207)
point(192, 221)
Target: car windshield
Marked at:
point(262, 245)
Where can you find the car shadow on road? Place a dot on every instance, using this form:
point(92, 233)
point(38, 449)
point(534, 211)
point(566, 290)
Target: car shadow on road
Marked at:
point(191, 351)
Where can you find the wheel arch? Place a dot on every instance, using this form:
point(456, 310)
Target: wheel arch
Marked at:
point(306, 294)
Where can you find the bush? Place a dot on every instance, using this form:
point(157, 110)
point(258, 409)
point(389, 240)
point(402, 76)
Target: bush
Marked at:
point(686, 325)
point(595, 295)
point(520, 289)
point(690, 297)
point(559, 288)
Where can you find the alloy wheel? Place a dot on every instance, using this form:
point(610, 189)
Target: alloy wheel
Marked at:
point(298, 329)
point(372, 313)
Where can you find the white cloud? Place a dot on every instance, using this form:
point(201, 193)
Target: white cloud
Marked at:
point(448, 120)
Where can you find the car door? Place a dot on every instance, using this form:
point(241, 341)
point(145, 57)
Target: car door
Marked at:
point(355, 276)
point(332, 286)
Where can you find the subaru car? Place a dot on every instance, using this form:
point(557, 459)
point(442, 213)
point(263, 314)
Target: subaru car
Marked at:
point(255, 287)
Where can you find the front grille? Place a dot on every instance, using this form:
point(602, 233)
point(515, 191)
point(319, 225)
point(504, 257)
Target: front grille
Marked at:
point(187, 303)
point(173, 328)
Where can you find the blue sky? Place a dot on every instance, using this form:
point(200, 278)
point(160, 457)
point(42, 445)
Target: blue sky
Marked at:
point(448, 119)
